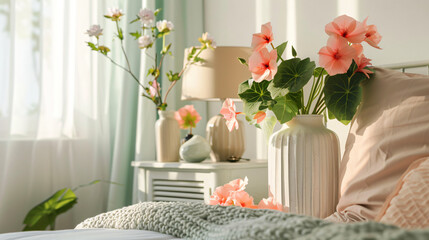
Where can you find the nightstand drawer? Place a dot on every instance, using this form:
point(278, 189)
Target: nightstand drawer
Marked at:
point(178, 186)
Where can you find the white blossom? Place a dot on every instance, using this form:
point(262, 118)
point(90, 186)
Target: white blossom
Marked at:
point(164, 26)
point(146, 16)
point(207, 39)
point(115, 13)
point(94, 31)
point(145, 41)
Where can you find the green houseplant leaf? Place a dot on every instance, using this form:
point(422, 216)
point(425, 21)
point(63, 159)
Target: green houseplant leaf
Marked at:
point(343, 95)
point(45, 213)
point(280, 50)
point(256, 93)
point(294, 74)
point(285, 108)
point(255, 97)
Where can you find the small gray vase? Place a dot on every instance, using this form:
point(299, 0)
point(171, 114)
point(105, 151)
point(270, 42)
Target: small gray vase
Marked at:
point(196, 149)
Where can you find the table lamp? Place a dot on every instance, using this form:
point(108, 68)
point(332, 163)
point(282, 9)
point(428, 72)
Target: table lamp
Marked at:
point(215, 79)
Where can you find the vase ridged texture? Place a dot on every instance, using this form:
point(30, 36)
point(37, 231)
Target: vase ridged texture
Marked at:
point(303, 163)
point(224, 144)
point(167, 135)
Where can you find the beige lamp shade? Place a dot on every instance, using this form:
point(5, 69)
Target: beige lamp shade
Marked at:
point(218, 76)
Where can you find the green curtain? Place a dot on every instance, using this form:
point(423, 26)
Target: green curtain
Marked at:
point(123, 102)
point(133, 117)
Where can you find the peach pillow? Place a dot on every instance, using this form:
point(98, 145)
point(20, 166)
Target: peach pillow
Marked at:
point(408, 205)
point(389, 132)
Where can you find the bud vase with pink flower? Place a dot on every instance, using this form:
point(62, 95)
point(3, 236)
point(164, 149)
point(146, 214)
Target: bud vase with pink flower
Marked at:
point(303, 157)
point(194, 148)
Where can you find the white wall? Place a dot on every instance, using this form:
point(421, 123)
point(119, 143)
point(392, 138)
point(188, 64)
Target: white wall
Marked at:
point(403, 25)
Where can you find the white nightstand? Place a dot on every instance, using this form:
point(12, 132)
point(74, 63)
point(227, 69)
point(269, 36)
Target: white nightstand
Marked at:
point(182, 181)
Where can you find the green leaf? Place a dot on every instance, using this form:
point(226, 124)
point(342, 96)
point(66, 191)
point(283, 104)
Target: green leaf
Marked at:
point(251, 108)
point(161, 34)
point(166, 48)
point(280, 50)
point(330, 115)
point(45, 213)
point(267, 126)
point(276, 91)
point(243, 61)
point(136, 35)
point(156, 11)
point(296, 97)
point(198, 59)
point(285, 108)
point(243, 87)
point(92, 46)
point(343, 95)
point(103, 49)
point(172, 76)
point(318, 71)
point(294, 54)
point(293, 74)
point(135, 20)
point(120, 34)
point(256, 93)
point(191, 53)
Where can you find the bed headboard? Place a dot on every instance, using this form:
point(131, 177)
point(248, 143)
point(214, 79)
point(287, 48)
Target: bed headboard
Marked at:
point(421, 67)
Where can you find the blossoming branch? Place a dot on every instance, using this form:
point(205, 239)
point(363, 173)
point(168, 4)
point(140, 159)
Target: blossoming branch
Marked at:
point(147, 35)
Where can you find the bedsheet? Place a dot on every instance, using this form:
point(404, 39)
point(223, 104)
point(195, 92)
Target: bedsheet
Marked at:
point(87, 234)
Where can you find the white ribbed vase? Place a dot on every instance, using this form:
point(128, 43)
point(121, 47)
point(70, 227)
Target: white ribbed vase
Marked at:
point(167, 134)
point(303, 161)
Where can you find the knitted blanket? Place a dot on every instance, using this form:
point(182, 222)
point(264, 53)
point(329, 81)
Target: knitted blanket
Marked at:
point(200, 221)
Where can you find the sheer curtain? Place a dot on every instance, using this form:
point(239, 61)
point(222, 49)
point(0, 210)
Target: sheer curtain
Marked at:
point(67, 115)
point(64, 111)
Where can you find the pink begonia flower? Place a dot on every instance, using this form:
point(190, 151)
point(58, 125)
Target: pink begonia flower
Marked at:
point(154, 88)
point(372, 37)
point(229, 113)
point(260, 40)
point(360, 60)
point(347, 27)
point(260, 116)
point(232, 194)
point(337, 56)
point(238, 184)
point(222, 193)
point(263, 65)
point(270, 203)
point(187, 117)
point(240, 199)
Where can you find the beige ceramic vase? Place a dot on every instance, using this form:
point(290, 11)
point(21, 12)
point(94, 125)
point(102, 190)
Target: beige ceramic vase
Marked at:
point(303, 162)
point(225, 145)
point(167, 135)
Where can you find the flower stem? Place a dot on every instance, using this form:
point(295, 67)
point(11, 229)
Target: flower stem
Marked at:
point(272, 45)
point(313, 92)
point(182, 71)
point(122, 45)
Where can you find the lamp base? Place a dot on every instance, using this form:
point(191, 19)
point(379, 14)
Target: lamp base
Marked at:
point(224, 144)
